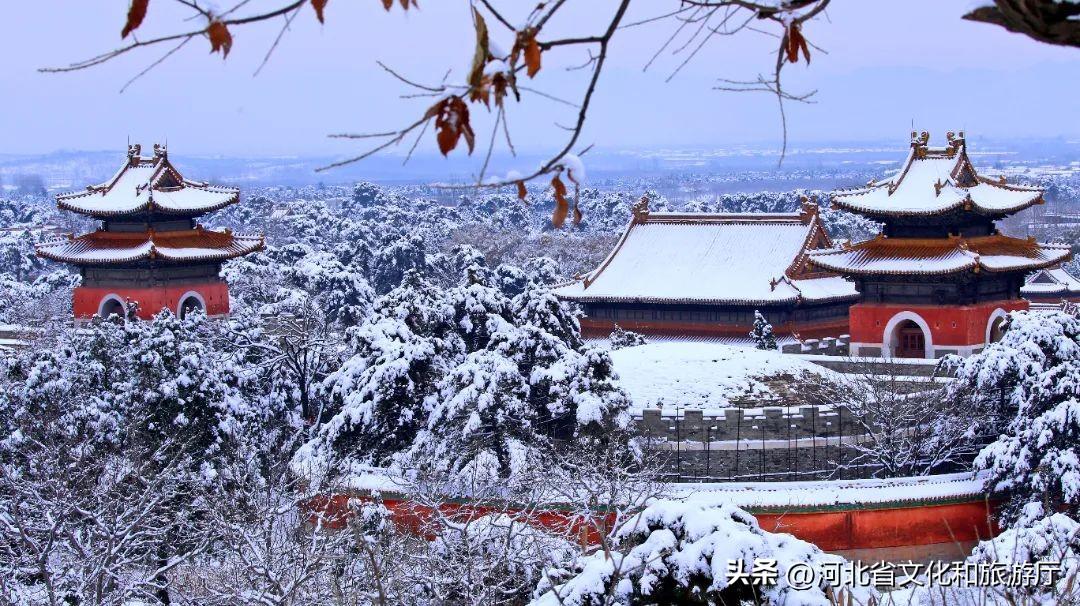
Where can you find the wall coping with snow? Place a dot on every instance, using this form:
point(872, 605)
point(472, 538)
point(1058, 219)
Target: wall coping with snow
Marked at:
point(840, 494)
point(760, 497)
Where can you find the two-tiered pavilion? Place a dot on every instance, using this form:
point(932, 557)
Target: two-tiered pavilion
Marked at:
point(940, 278)
point(149, 253)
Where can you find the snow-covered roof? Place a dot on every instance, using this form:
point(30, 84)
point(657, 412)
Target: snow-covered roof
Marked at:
point(101, 247)
point(706, 376)
point(148, 183)
point(1048, 281)
point(934, 181)
point(936, 256)
point(713, 258)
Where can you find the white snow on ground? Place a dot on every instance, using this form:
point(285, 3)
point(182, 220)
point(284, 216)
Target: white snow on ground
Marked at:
point(700, 375)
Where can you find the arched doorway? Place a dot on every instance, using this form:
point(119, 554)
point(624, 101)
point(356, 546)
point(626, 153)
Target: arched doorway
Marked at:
point(112, 306)
point(910, 341)
point(189, 304)
point(997, 330)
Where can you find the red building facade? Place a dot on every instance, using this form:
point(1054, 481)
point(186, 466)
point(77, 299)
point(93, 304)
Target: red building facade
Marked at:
point(940, 278)
point(149, 253)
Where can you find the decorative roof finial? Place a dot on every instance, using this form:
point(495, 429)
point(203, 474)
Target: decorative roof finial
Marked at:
point(807, 209)
point(160, 151)
point(133, 152)
point(641, 209)
point(956, 141)
point(918, 143)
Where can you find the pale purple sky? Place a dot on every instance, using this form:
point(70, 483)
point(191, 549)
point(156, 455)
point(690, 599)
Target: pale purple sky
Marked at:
point(889, 62)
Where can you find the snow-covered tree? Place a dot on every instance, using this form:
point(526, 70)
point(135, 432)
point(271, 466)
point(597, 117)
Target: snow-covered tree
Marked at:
point(17, 256)
point(762, 333)
point(365, 195)
point(1034, 371)
point(527, 379)
point(393, 365)
point(395, 260)
point(904, 432)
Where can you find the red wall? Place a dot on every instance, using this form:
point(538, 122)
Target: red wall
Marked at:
point(86, 301)
point(915, 530)
point(949, 325)
point(927, 524)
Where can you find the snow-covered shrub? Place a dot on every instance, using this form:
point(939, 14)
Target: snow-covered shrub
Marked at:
point(493, 559)
point(676, 552)
point(621, 338)
point(1034, 374)
point(1038, 537)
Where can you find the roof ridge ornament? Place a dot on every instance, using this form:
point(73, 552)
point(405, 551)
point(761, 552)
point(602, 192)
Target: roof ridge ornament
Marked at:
point(641, 209)
point(161, 151)
point(919, 143)
point(956, 142)
point(134, 152)
point(807, 209)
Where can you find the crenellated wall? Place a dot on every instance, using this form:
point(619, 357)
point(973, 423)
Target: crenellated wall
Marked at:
point(768, 443)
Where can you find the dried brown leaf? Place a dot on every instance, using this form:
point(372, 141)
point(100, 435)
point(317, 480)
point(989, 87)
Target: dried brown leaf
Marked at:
point(319, 5)
point(451, 123)
point(220, 38)
point(478, 84)
point(532, 55)
point(793, 41)
point(135, 16)
point(562, 205)
point(558, 217)
point(521, 191)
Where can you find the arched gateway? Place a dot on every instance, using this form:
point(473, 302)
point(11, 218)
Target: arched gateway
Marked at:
point(149, 252)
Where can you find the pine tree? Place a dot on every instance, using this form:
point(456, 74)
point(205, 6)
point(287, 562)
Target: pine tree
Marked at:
point(527, 380)
point(762, 334)
point(395, 361)
point(1035, 368)
point(393, 261)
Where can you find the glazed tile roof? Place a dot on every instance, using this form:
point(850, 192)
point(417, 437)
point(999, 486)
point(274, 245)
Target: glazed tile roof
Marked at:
point(711, 258)
point(148, 183)
point(934, 181)
point(930, 256)
point(104, 247)
point(1049, 282)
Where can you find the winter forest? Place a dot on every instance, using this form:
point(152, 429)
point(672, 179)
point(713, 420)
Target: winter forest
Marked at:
point(364, 377)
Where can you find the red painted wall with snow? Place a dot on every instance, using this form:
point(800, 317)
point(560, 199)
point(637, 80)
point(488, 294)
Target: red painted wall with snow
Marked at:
point(949, 325)
point(86, 301)
point(890, 532)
